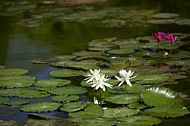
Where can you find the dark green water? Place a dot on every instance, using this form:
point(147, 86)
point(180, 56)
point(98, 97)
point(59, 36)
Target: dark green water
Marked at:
point(19, 44)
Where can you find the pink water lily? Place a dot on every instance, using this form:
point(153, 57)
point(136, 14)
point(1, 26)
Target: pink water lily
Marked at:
point(171, 38)
point(158, 36)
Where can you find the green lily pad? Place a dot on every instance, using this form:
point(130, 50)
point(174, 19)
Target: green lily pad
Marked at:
point(119, 112)
point(98, 122)
point(88, 112)
point(137, 105)
point(158, 96)
point(139, 121)
point(66, 73)
point(168, 110)
point(26, 93)
point(161, 21)
point(65, 98)
point(149, 79)
point(73, 106)
point(122, 99)
point(40, 107)
point(4, 99)
point(82, 65)
point(16, 81)
point(105, 42)
point(16, 102)
point(2, 67)
point(67, 90)
point(121, 51)
point(165, 15)
point(121, 89)
point(52, 83)
point(9, 72)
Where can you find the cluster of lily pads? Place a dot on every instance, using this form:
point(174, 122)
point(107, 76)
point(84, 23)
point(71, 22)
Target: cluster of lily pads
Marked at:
point(143, 100)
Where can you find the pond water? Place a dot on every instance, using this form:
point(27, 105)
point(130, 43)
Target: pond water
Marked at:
point(34, 29)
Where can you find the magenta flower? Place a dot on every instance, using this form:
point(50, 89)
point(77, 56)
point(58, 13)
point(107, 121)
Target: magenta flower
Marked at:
point(171, 38)
point(158, 36)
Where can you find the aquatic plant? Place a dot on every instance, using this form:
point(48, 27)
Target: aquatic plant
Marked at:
point(170, 38)
point(158, 36)
point(125, 77)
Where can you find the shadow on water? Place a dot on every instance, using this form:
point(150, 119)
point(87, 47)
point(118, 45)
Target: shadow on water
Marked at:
point(20, 44)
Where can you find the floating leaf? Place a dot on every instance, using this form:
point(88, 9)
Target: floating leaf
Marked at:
point(26, 93)
point(165, 15)
point(122, 99)
point(161, 21)
point(149, 79)
point(136, 105)
point(138, 121)
point(40, 107)
point(158, 96)
point(121, 51)
point(73, 106)
point(16, 102)
point(134, 89)
point(52, 83)
point(89, 112)
point(4, 99)
point(16, 81)
point(82, 65)
point(2, 67)
point(9, 72)
point(168, 110)
point(67, 90)
point(66, 73)
point(65, 98)
point(119, 112)
point(97, 122)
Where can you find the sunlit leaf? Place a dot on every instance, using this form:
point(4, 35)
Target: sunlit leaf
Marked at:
point(66, 73)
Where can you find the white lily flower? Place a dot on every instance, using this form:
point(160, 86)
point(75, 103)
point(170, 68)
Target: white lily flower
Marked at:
point(125, 77)
point(100, 82)
point(93, 75)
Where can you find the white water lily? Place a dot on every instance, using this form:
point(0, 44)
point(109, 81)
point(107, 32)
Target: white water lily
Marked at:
point(93, 75)
point(100, 82)
point(125, 77)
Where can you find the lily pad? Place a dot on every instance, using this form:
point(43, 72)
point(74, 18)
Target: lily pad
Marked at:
point(165, 15)
point(66, 73)
point(40, 107)
point(67, 90)
point(150, 79)
point(16, 81)
point(159, 96)
point(88, 112)
point(16, 102)
point(12, 71)
point(139, 121)
point(2, 67)
point(3, 100)
point(168, 110)
point(122, 99)
point(73, 106)
point(121, 51)
point(161, 21)
point(52, 83)
point(65, 98)
point(119, 112)
point(98, 122)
